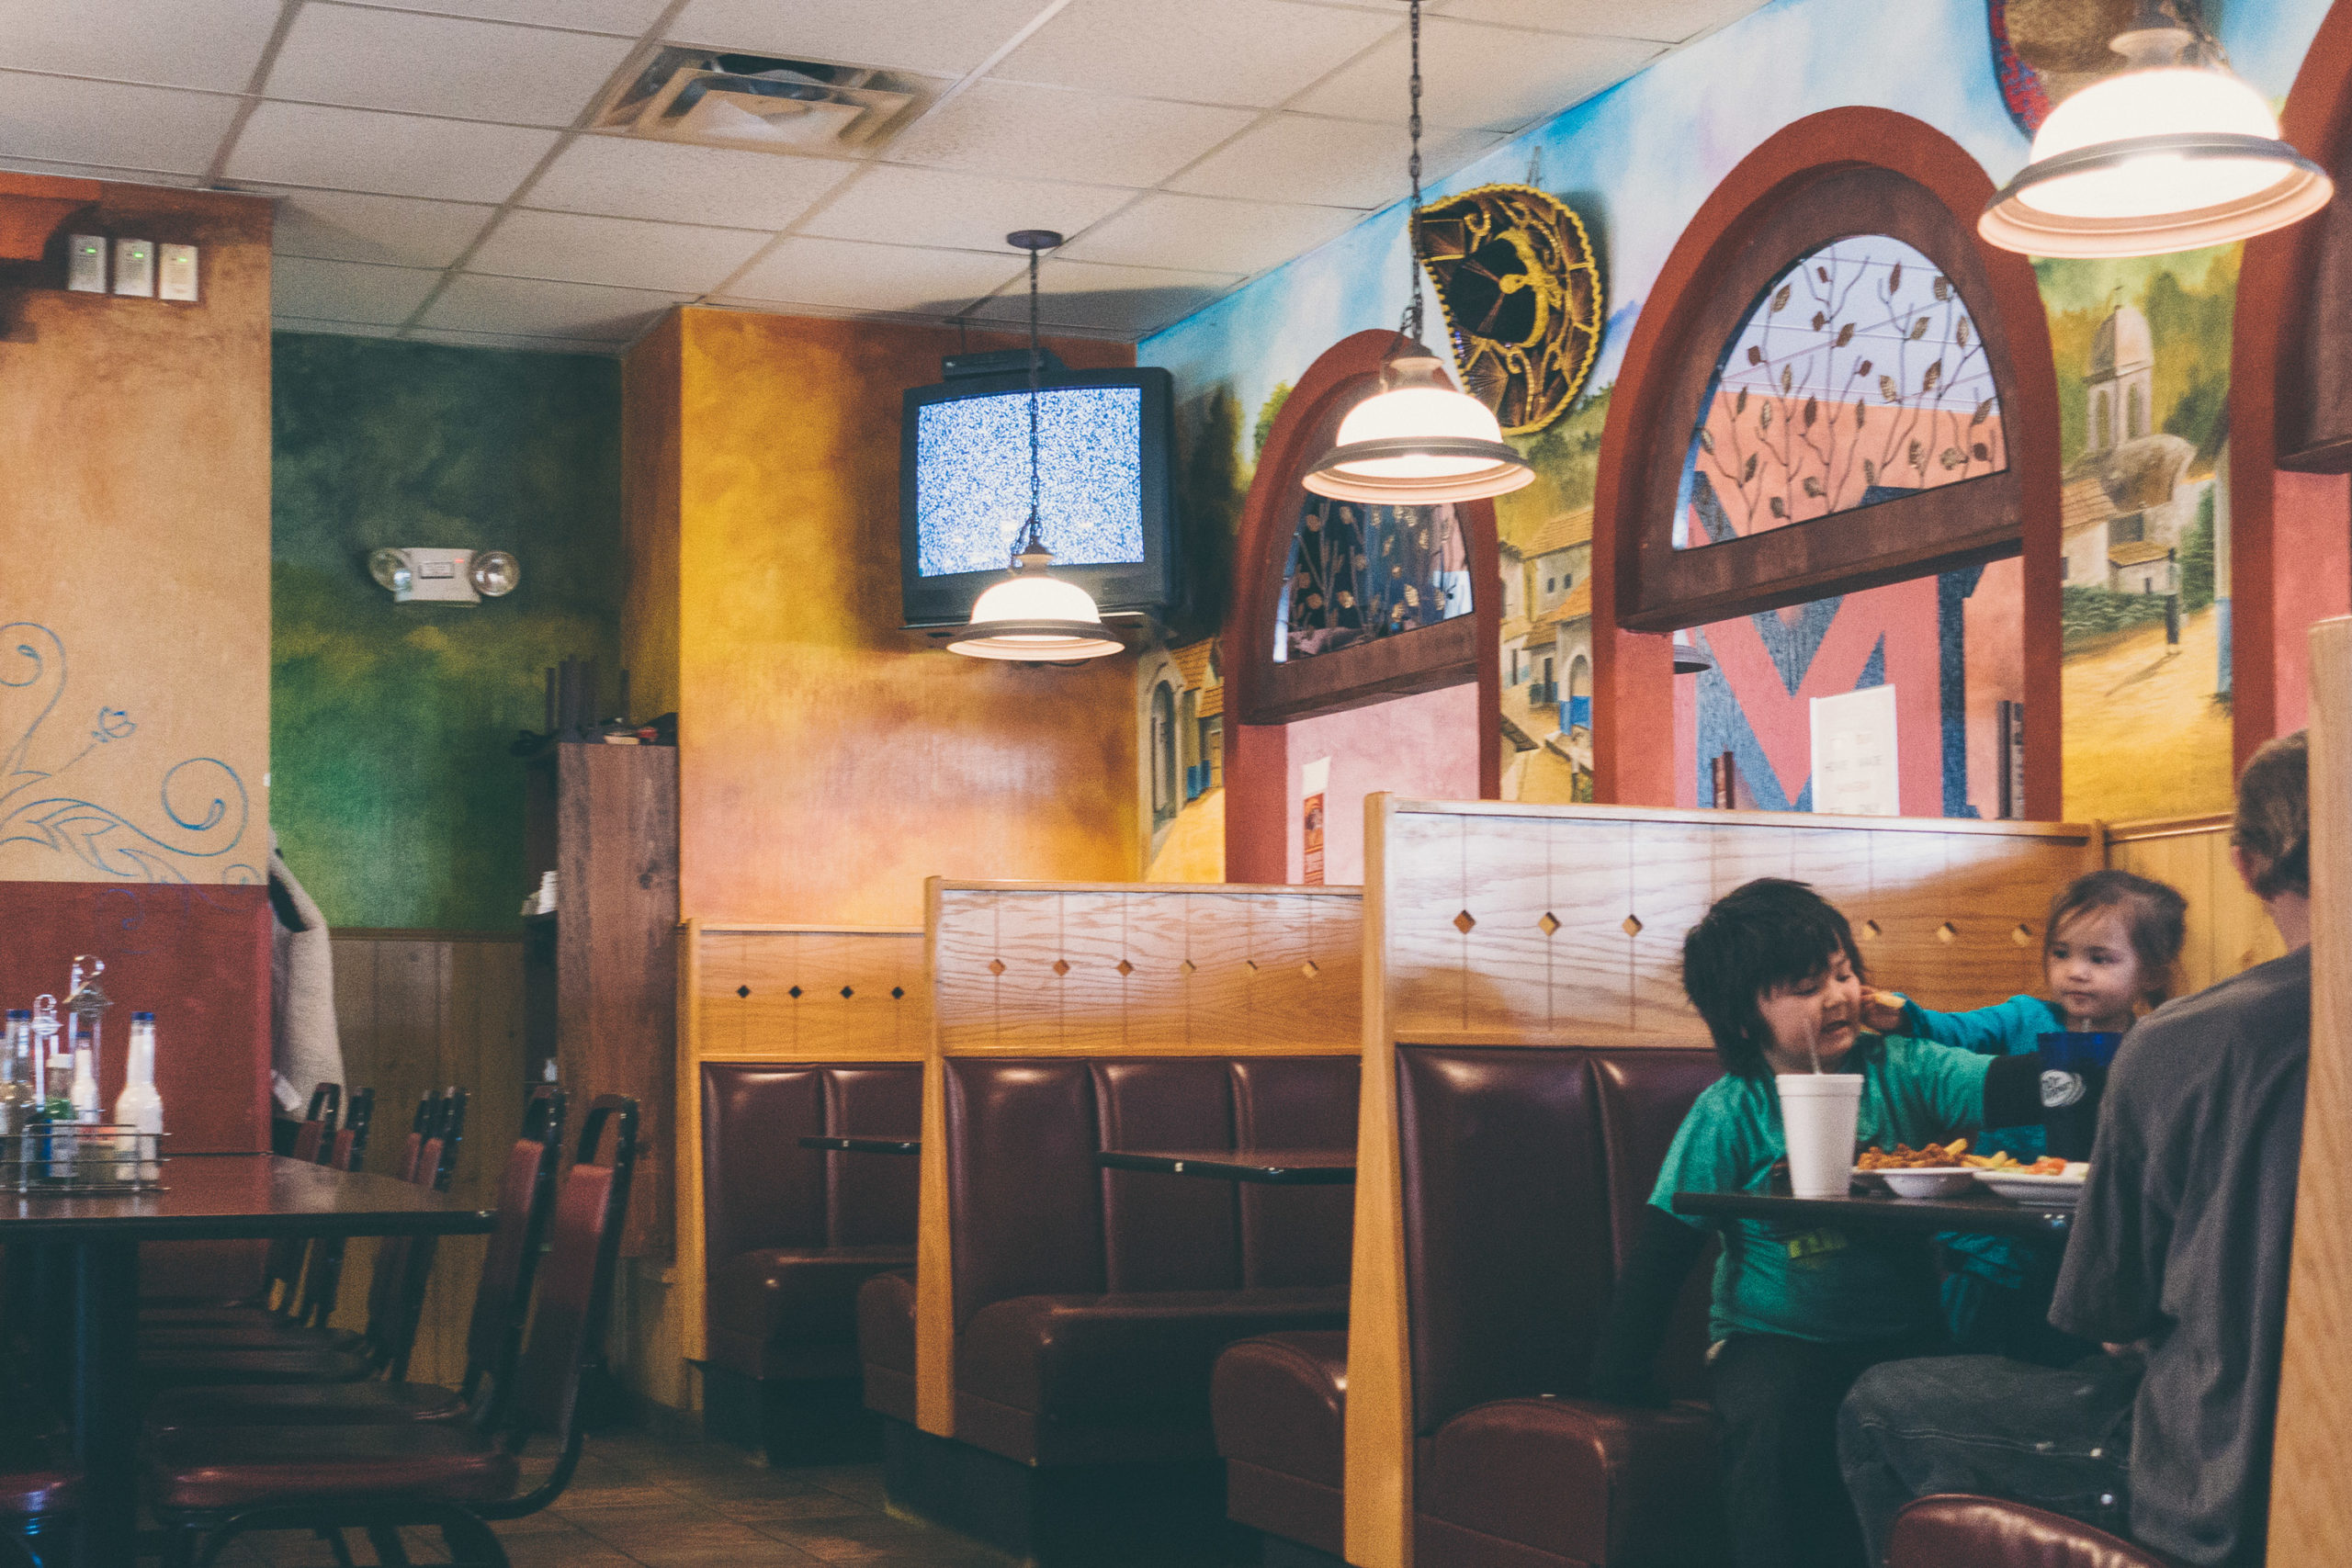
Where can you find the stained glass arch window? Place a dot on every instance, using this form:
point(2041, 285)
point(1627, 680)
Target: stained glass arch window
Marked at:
point(1359, 573)
point(1857, 377)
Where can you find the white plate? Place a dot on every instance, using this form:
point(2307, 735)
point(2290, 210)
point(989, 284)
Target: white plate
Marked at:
point(1929, 1181)
point(2061, 1191)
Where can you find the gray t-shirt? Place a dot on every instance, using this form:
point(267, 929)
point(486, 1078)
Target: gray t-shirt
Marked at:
point(2183, 1238)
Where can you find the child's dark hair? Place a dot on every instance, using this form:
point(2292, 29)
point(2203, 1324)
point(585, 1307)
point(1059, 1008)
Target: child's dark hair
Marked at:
point(2154, 914)
point(1763, 935)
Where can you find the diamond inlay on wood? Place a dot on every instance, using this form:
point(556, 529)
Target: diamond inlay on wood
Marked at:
point(1946, 932)
point(1549, 923)
point(1061, 965)
point(742, 991)
point(1310, 969)
point(996, 965)
point(898, 993)
point(1186, 967)
point(1870, 932)
point(1464, 921)
point(794, 993)
point(1630, 925)
point(2023, 935)
point(847, 993)
point(1126, 969)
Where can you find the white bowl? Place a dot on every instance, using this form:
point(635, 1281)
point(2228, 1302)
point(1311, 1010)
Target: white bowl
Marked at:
point(1934, 1181)
point(2051, 1191)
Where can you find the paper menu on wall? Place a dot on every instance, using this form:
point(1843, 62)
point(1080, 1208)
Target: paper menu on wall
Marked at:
point(1854, 772)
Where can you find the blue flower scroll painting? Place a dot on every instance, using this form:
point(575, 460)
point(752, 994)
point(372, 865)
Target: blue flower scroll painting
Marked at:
point(202, 805)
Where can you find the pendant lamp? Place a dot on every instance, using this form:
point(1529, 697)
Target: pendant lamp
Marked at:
point(2169, 155)
point(1033, 616)
point(1417, 441)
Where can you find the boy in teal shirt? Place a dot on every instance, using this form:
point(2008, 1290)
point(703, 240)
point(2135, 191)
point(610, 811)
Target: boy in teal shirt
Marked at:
point(1798, 1313)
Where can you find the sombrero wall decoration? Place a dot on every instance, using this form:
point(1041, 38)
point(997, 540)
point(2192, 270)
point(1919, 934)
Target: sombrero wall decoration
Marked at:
point(1521, 290)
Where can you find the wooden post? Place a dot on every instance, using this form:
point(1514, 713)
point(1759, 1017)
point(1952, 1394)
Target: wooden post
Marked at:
point(935, 1256)
point(2311, 1509)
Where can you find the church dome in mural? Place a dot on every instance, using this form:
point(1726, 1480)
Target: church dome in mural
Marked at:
point(2121, 344)
point(2146, 471)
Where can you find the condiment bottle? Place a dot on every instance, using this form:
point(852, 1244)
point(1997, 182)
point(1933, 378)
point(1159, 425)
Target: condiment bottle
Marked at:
point(16, 1100)
point(138, 1107)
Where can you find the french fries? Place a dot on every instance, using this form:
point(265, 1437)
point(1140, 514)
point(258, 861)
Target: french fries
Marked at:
point(1903, 1156)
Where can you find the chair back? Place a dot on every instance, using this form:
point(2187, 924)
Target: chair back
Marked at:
point(324, 1276)
point(427, 1117)
point(403, 1267)
point(281, 1277)
point(575, 1293)
point(525, 1204)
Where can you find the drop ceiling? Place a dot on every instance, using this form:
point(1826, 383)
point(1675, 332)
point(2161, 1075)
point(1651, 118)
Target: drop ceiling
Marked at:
point(435, 179)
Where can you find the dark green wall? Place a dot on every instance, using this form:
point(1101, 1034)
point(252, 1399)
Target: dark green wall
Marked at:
point(392, 789)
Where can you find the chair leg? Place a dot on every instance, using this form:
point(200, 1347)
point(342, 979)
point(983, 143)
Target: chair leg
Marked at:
point(389, 1548)
point(469, 1540)
point(336, 1545)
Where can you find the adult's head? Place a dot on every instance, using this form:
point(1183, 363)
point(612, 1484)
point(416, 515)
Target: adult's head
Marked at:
point(2271, 839)
point(1771, 966)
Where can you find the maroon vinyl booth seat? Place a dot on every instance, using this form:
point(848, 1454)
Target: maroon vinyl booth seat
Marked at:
point(1090, 1306)
point(1989, 1532)
point(792, 1233)
point(1524, 1175)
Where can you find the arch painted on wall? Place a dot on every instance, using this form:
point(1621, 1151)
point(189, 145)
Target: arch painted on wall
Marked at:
point(2275, 592)
point(1633, 690)
point(1257, 808)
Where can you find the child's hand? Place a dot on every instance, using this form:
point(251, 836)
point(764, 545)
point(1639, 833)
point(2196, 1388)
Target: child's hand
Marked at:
point(1882, 1011)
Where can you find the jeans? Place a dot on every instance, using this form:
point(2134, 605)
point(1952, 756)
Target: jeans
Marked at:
point(1778, 1399)
point(2058, 1438)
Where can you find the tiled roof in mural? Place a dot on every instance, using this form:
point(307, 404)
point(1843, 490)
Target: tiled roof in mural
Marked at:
point(1576, 606)
point(2138, 554)
point(1564, 532)
point(1191, 662)
point(2083, 502)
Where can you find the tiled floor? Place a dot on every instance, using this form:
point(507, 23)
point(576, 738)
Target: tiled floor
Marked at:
point(639, 1499)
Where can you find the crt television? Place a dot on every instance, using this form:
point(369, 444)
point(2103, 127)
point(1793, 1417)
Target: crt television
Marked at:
point(1105, 468)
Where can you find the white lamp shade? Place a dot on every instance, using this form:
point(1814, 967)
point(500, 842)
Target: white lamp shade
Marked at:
point(1034, 619)
point(2147, 162)
point(1035, 597)
point(1418, 413)
point(1418, 442)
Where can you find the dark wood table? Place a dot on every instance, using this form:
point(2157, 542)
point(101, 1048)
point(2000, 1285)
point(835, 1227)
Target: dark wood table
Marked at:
point(205, 1197)
point(865, 1145)
point(1973, 1213)
point(1277, 1168)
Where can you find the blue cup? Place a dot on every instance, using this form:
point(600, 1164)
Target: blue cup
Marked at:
point(2073, 1079)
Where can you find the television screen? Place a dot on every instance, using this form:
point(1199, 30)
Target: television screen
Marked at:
point(1103, 487)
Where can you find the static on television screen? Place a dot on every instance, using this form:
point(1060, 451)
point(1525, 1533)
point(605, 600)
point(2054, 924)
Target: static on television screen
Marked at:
point(972, 479)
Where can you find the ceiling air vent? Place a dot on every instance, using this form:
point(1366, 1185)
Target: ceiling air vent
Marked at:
point(716, 98)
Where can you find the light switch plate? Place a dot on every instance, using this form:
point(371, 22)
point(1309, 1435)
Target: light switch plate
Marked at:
point(85, 263)
point(134, 267)
point(176, 272)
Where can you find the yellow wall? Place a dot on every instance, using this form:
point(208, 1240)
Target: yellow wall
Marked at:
point(134, 557)
point(829, 761)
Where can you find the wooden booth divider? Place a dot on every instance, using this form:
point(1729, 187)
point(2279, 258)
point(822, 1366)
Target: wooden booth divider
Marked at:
point(1500, 924)
point(2227, 928)
point(780, 993)
point(1100, 969)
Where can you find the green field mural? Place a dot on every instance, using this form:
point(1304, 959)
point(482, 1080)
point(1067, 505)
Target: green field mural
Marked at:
point(392, 791)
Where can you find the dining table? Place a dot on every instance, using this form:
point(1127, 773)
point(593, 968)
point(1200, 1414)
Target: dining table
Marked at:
point(201, 1197)
point(1970, 1214)
point(847, 1143)
point(1273, 1167)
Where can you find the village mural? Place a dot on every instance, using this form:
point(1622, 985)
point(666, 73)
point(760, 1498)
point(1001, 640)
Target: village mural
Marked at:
point(2141, 351)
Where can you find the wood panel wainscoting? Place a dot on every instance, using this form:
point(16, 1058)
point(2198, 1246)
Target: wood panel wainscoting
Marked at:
point(2227, 928)
point(1500, 924)
point(1107, 969)
point(2311, 1509)
point(776, 993)
point(417, 1010)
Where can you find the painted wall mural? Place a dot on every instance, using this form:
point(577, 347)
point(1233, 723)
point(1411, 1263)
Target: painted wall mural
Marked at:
point(2143, 424)
point(395, 798)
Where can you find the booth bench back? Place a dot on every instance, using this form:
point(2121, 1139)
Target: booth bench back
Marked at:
point(764, 1190)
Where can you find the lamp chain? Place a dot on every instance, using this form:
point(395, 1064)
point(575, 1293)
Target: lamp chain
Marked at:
point(1413, 167)
point(1034, 535)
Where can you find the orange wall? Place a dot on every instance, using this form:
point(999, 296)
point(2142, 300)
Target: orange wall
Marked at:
point(134, 554)
point(829, 761)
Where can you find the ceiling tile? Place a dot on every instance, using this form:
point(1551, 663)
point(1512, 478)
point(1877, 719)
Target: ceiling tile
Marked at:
point(99, 172)
point(168, 42)
point(898, 205)
point(1134, 299)
point(1012, 129)
point(914, 35)
point(1481, 77)
point(393, 60)
point(513, 339)
point(1667, 21)
point(347, 291)
point(1208, 235)
point(393, 231)
point(623, 252)
point(59, 120)
point(330, 329)
point(392, 154)
point(841, 273)
point(1330, 162)
point(539, 309)
point(1224, 52)
point(630, 17)
point(672, 182)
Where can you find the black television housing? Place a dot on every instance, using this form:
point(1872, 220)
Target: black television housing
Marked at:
point(1150, 585)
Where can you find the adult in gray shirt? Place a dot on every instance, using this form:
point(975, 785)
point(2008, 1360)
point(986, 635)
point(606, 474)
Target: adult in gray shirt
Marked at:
point(2177, 1264)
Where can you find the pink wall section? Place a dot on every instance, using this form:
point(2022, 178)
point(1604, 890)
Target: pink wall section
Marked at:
point(2314, 554)
point(1995, 620)
point(1424, 745)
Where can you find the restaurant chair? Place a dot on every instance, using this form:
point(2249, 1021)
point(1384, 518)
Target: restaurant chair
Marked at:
point(208, 1487)
point(313, 1143)
point(493, 1337)
point(295, 1354)
point(1958, 1531)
